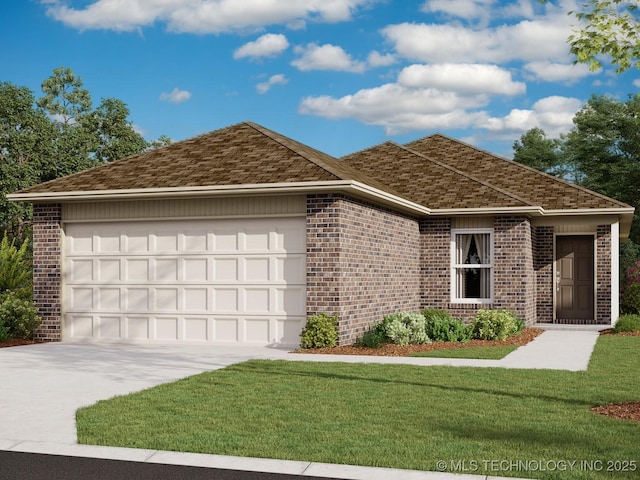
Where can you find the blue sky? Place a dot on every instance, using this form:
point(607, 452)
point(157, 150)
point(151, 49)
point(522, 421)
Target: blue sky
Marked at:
point(338, 75)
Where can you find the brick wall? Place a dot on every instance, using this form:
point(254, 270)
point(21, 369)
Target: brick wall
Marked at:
point(603, 275)
point(47, 270)
point(514, 277)
point(543, 265)
point(363, 262)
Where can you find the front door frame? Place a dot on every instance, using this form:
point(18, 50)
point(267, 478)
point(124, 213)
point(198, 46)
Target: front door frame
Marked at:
point(593, 235)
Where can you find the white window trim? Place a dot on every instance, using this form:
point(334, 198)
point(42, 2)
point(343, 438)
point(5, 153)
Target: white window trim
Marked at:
point(454, 266)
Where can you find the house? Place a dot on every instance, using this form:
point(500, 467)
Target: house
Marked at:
point(236, 236)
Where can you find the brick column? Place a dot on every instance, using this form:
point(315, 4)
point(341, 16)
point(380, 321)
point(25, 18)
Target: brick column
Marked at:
point(543, 264)
point(47, 278)
point(603, 275)
point(514, 278)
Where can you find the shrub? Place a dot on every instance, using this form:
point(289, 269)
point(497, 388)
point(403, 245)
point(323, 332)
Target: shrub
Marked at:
point(321, 331)
point(441, 326)
point(18, 316)
point(15, 269)
point(371, 339)
point(628, 323)
point(631, 299)
point(495, 324)
point(403, 328)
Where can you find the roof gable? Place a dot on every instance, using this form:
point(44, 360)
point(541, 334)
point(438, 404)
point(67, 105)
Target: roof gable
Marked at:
point(428, 182)
point(535, 187)
point(240, 154)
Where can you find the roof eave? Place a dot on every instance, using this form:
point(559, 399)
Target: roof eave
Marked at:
point(351, 187)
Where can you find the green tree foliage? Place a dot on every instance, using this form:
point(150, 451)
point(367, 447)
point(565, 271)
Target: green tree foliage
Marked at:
point(607, 27)
point(603, 149)
point(58, 134)
point(537, 151)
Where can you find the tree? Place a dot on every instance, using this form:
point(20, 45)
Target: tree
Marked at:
point(609, 27)
point(55, 135)
point(537, 151)
point(26, 136)
point(113, 133)
point(603, 149)
point(605, 144)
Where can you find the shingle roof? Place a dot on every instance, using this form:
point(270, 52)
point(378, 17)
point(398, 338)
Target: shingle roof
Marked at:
point(426, 181)
point(534, 187)
point(241, 154)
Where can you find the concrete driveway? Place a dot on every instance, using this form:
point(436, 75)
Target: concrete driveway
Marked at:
point(42, 386)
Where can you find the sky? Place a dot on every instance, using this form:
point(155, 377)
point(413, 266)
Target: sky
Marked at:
point(337, 75)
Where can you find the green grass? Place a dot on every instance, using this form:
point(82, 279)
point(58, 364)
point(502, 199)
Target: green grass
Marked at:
point(389, 415)
point(485, 353)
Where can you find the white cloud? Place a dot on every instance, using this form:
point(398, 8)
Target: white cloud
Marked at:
point(268, 45)
point(202, 16)
point(325, 57)
point(376, 59)
point(466, 9)
point(528, 40)
point(176, 96)
point(558, 72)
point(636, 82)
point(466, 79)
point(278, 79)
point(553, 114)
point(399, 109)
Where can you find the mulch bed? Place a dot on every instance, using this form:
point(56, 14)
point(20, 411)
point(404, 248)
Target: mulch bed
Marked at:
point(625, 411)
point(17, 342)
point(390, 350)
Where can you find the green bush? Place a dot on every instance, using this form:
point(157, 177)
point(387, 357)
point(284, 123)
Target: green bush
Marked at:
point(631, 299)
point(18, 316)
point(628, 323)
point(495, 324)
point(15, 269)
point(372, 338)
point(321, 331)
point(442, 327)
point(404, 328)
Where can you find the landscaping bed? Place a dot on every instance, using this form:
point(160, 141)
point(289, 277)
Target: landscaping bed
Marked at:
point(392, 350)
point(16, 342)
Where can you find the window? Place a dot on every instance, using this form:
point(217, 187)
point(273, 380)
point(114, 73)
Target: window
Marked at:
point(472, 266)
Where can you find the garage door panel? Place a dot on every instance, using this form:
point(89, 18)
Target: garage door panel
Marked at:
point(195, 270)
point(225, 270)
point(165, 299)
point(226, 300)
point(81, 270)
point(137, 328)
point(108, 299)
point(255, 269)
point(109, 270)
point(137, 299)
point(136, 269)
point(109, 327)
point(224, 281)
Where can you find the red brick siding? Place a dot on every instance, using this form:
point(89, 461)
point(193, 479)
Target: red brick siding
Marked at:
point(543, 264)
point(514, 276)
point(603, 275)
point(435, 262)
point(363, 262)
point(47, 257)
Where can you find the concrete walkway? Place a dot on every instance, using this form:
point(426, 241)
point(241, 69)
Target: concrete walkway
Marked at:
point(41, 387)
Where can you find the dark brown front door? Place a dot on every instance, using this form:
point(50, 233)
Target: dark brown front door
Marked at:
point(574, 277)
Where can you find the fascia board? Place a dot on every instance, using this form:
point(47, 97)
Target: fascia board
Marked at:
point(343, 186)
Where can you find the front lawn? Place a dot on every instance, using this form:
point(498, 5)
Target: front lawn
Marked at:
point(476, 420)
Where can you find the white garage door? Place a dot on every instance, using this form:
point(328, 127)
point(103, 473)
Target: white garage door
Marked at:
point(222, 281)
